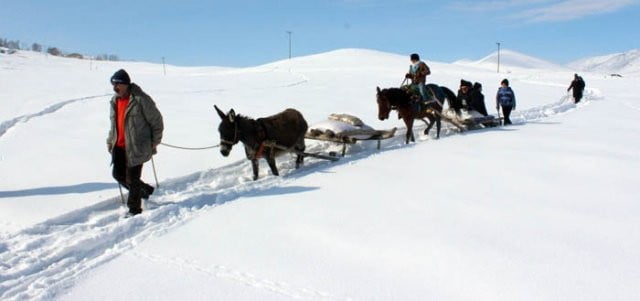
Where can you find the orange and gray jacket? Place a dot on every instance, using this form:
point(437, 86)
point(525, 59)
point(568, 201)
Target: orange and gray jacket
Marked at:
point(143, 127)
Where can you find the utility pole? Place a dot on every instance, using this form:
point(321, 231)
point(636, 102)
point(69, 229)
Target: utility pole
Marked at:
point(164, 68)
point(498, 43)
point(289, 33)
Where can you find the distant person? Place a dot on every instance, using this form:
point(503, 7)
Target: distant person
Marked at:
point(136, 131)
point(578, 88)
point(477, 100)
point(506, 99)
point(418, 72)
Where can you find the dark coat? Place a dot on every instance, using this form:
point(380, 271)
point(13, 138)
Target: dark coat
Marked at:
point(577, 85)
point(476, 102)
point(463, 100)
point(472, 100)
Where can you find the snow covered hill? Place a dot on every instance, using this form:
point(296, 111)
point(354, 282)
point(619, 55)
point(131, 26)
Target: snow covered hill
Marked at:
point(545, 209)
point(510, 59)
point(625, 63)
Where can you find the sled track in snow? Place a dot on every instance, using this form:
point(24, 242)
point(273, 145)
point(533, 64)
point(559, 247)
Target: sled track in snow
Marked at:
point(222, 272)
point(9, 124)
point(41, 261)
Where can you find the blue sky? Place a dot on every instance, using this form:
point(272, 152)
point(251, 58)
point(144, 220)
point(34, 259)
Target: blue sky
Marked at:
point(245, 33)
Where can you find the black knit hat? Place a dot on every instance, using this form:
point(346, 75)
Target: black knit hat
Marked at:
point(121, 77)
point(415, 57)
point(505, 82)
point(464, 83)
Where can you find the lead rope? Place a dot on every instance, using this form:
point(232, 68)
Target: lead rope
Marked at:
point(189, 148)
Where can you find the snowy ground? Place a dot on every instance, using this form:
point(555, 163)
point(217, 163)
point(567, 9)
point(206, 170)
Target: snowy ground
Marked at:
point(545, 209)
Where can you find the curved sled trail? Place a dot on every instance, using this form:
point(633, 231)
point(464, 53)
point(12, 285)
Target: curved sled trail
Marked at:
point(9, 124)
point(223, 272)
point(41, 261)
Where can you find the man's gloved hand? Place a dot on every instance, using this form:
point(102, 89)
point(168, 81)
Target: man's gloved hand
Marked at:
point(154, 149)
point(408, 75)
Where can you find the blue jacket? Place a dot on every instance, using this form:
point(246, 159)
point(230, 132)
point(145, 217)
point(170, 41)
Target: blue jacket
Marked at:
point(506, 97)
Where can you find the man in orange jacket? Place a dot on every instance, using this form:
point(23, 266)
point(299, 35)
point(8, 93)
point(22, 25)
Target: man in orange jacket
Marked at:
point(136, 131)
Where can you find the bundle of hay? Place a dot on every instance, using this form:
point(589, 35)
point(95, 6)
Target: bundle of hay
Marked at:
point(346, 118)
point(339, 125)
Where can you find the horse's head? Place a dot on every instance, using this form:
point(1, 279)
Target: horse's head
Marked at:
point(228, 129)
point(384, 106)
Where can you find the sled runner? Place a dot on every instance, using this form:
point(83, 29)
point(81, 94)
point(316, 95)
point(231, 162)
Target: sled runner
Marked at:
point(470, 120)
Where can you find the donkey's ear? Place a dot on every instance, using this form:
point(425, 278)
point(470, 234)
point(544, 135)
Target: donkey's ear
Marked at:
point(220, 113)
point(378, 89)
point(232, 115)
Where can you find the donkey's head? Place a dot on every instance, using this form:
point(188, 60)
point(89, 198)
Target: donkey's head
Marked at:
point(228, 129)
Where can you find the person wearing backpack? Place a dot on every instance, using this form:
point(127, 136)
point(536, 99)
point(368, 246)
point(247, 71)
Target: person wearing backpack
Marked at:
point(578, 88)
point(506, 99)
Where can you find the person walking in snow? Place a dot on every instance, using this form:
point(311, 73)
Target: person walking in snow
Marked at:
point(136, 131)
point(506, 99)
point(418, 72)
point(578, 87)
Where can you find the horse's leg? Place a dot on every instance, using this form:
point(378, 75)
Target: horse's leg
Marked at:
point(299, 161)
point(410, 131)
point(254, 165)
point(438, 126)
point(271, 159)
point(409, 124)
point(426, 131)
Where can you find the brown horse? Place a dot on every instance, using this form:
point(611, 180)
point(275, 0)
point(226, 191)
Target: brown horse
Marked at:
point(409, 107)
point(265, 137)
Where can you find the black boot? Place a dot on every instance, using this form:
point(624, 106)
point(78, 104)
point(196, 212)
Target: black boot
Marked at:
point(132, 213)
point(146, 191)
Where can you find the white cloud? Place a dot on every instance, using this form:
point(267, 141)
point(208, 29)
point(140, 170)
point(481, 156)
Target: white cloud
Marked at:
point(547, 10)
point(574, 9)
point(492, 5)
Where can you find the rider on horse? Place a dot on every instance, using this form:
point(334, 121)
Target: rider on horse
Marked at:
point(418, 74)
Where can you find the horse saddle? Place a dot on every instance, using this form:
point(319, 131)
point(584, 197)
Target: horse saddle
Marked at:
point(421, 105)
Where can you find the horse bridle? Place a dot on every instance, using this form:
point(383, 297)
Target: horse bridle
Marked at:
point(235, 136)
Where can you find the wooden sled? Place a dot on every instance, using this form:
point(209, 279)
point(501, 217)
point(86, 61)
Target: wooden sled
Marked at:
point(472, 123)
point(351, 137)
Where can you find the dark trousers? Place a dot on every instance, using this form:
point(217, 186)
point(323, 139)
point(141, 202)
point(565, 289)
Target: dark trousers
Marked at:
point(129, 177)
point(577, 96)
point(506, 111)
